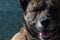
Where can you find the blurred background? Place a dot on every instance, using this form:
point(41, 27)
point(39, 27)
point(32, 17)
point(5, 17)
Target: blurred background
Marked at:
point(10, 18)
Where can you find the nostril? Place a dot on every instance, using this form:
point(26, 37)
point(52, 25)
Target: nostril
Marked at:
point(45, 23)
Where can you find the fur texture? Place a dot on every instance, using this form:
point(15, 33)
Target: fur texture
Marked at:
point(36, 12)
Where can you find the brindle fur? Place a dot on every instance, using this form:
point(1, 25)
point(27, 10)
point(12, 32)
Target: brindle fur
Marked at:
point(24, 34)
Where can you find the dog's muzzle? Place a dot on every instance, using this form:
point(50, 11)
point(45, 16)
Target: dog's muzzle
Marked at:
point(44, 25)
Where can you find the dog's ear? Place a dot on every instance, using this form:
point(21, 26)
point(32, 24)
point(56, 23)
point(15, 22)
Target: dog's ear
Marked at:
point(24, 3)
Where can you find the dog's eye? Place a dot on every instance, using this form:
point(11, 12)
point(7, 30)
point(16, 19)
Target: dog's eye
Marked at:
point(36, 10)
point(52, 9)
point(39, 9)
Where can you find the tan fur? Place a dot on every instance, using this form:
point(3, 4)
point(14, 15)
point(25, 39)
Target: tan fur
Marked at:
point(22, 35)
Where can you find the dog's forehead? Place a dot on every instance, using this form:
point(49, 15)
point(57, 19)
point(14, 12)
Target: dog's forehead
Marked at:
point(33, 4)
point(38, 3)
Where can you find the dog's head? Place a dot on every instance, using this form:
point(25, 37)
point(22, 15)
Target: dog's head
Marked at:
point(40, 17)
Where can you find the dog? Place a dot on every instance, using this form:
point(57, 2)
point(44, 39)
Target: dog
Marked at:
point(41, 20)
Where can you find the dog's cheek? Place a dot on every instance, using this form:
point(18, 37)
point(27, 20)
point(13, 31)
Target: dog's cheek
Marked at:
point(28, 17)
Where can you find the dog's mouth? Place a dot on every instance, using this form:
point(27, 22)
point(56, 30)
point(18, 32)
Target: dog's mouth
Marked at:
point(45, 34)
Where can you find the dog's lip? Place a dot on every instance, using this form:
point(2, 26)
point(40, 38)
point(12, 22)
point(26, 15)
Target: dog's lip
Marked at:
point(45, 34)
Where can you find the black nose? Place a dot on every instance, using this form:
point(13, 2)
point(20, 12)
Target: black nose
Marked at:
point(45, 23)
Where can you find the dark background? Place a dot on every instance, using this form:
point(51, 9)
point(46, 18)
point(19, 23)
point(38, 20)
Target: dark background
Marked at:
point(10, 18)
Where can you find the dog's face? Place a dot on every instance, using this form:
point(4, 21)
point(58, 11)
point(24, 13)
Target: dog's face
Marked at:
point(40, 17)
